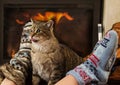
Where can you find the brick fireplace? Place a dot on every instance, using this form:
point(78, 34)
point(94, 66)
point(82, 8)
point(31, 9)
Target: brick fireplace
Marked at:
point(80, 34)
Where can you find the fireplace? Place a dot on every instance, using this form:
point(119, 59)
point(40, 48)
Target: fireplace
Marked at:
point(79, 33)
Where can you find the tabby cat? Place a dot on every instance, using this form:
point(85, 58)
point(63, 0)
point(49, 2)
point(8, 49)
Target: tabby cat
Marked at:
point(50, 59)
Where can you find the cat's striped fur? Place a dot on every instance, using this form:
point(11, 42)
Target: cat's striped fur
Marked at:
point(50, 59)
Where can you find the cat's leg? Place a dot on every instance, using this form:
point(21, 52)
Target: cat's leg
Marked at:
point(35, 80)
point(56, 75)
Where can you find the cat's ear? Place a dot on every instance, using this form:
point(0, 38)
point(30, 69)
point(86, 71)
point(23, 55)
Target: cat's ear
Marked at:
point(31, 20)
point(49, 24)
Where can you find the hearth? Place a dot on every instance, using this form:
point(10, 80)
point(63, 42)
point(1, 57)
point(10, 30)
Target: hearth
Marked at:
point(77, 29)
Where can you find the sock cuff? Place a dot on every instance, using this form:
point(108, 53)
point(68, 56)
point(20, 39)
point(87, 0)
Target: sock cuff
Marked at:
point(83, 75)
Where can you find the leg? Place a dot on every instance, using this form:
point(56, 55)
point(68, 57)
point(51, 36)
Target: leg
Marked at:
point(7, 82)
point(96, 69)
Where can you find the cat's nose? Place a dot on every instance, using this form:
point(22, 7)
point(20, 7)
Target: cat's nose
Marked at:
point(34, 39)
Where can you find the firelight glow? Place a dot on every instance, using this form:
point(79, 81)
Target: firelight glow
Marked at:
point(47, 16)
point(50, 15)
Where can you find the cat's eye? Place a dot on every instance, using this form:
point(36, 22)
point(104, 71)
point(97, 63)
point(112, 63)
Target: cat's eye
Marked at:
point(38, 31)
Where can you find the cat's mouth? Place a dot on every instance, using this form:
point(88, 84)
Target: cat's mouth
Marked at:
point(34, 39)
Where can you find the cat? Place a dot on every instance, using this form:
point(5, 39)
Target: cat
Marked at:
point(50, 59)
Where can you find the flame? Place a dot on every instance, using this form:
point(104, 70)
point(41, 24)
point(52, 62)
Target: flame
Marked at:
point(58, 16)
point(50, 15)
point(46, 16)
point(39, 16)
point(19, 22)
point(13, 53)
point(68, 16)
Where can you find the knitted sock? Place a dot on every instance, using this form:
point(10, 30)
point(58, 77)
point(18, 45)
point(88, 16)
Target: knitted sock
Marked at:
point(97, 67)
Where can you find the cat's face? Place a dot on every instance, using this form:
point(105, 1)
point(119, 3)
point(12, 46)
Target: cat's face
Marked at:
point(41, 31)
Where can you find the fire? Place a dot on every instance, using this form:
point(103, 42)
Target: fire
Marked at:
point(39, 16)
point(46, 16)
point(13, 53)
point(19, 22)
point(68, 16)
point(49, 15)
point(52, 15)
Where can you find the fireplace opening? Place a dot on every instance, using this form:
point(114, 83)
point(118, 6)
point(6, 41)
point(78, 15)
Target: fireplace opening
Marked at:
point(73, 29)
point(76, 26)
